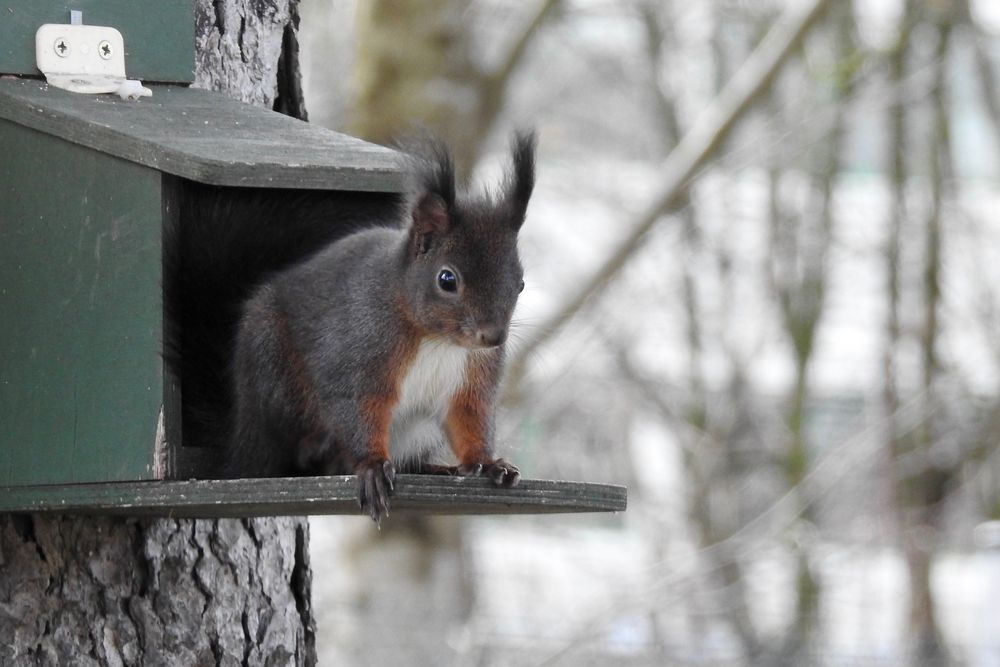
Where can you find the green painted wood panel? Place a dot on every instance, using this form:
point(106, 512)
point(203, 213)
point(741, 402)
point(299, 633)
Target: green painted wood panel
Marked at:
point(296, 496)
point(159, 35)
point(81, 382)
point(206, 137)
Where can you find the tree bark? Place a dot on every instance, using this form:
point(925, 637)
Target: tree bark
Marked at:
point(114, 591)
point(111, 591)
point(240, 46)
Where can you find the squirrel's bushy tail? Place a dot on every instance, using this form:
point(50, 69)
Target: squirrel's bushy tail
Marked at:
point(219, 244)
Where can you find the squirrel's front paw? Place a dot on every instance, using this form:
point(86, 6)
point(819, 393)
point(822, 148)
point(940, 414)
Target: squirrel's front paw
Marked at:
point(501, 472)
point(375, 485)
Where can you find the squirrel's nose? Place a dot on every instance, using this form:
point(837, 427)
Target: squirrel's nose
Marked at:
point(491, 336)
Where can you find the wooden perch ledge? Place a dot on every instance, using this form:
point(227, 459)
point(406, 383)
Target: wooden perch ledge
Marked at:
point(294, 496)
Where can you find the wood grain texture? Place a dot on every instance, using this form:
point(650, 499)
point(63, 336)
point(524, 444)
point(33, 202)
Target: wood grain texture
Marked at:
point(311, 495)
point(205, 137)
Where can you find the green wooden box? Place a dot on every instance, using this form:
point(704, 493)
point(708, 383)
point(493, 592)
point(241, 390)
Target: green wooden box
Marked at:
point(87, 185)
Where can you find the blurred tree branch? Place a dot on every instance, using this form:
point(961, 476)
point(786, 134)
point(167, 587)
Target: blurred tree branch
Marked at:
point(706, 444)
point(698, 145)
point(928, 489)
point(658, 36)
point(711, 471)
point(898, 64)
point(493, 85)
point(799, 245)
point(917, 494)
point(417, 67)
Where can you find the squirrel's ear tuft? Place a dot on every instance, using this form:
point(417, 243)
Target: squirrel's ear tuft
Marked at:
point(432, 199)
point(521, 177)
point(432, 167)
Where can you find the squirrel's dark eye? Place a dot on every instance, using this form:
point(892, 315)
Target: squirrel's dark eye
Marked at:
point(520, 288)
point(447, 280)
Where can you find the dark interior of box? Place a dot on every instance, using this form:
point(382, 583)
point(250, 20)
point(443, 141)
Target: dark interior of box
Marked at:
point(219, 244)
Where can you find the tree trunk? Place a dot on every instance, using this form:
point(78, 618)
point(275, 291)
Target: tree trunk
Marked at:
point(111, 591)
point(114, 591)
point(249, 50)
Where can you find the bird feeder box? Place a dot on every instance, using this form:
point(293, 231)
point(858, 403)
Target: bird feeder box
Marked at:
point(90, 417)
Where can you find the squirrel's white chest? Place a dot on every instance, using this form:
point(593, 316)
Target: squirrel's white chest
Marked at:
point(433, 377)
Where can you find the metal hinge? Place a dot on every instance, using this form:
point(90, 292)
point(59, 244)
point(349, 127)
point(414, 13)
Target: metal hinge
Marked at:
point(85, 58)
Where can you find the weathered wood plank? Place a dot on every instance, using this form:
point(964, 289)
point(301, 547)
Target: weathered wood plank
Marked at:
point(205, 137)
point(311, 495)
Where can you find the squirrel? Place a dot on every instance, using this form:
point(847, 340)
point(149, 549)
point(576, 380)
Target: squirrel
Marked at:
point(360, 357)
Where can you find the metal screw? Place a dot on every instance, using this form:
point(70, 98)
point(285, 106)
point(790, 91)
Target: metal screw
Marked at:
point(61, 47)
point(104, 48)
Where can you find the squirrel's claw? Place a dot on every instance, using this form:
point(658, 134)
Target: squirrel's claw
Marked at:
point(502, 473)
point(375, 484)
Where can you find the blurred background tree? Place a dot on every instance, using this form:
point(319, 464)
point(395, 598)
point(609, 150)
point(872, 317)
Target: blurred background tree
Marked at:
point(763, 292)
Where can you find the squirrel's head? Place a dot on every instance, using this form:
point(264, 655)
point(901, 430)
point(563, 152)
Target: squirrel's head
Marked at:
point(464, 275)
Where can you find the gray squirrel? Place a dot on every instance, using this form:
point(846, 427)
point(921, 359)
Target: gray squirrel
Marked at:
point(358, 358)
